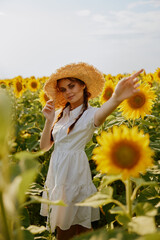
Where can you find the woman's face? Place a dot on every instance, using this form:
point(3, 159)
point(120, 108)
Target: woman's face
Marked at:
point(72, 91)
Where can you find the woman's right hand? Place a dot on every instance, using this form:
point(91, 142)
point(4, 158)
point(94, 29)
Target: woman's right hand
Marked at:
point(49, 111)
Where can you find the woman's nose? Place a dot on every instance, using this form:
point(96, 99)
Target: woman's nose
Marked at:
point(68, 90)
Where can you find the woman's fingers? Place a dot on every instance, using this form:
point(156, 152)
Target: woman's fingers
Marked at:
point(50, 101)
point(48, 108)
point(133, 77)
point(136, 74)
point(137, 85)
point(135, 80)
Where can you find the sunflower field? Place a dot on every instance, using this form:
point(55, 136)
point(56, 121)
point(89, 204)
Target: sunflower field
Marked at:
point(124, 157)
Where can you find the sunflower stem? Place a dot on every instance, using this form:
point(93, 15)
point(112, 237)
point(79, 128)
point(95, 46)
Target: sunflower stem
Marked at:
point(128, 197)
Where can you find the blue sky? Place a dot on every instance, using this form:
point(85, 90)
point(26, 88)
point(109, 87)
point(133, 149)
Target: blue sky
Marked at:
point(38, 36)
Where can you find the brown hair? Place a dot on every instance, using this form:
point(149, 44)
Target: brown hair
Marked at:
point(86, 95)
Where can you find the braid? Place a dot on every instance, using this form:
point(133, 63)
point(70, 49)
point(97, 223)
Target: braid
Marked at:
point(61, 113)
point(58, 118)
point(85, 106)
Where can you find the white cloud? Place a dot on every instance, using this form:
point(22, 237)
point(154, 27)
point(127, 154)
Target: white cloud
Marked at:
point(83, 13)
point(128, 22)
point(2, 14)
point(99, 18)
point(154, 3)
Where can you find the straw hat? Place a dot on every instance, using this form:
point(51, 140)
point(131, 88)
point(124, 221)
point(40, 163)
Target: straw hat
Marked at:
point(92, 77)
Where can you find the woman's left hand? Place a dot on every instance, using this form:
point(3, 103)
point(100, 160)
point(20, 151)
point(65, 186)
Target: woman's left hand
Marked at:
point(127, 87)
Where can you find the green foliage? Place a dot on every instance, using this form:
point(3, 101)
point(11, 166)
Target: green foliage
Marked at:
point(23, 169)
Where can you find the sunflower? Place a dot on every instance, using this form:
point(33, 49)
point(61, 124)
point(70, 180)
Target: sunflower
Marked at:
point(143, 74)
point(139, 104)
point(119, 76)
point(44, 79)
point(3, 83)
point(122, 151)
point(18, 87)
point(43, 98)
point(157, 75)
point(33, 84)
point(109, 77)
point(149, 78)
point(107, 91)
point(8, 82)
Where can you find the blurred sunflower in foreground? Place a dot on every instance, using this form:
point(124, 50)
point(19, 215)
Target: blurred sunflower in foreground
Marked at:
point(43, 98)
point(122, 152)
point(139, 104)
point(107, 91)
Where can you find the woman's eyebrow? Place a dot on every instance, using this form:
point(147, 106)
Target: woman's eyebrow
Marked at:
point(67, 86)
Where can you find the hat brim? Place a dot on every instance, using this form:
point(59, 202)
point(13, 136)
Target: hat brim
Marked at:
point(92, 77)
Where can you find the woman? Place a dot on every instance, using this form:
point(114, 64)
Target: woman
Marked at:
point(69, 129)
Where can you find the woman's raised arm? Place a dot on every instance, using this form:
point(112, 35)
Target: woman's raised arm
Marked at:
point(125, 88)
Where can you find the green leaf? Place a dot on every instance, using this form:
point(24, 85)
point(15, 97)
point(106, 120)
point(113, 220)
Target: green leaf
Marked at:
point(24, 155)
point(35, 189)
point(141, 182)
point(24, 217)
point(27, 179)
point(22, 235)
point(106, 180)
point(100, 234)
point(154, 236)
point(10, 195)
point(116, 210)
point(107, 190)
point(123, 219)
point(36, 230)
point(37, 199)
point(145, 209)
point(148, 193)
point(142, 225)
point(96, 200)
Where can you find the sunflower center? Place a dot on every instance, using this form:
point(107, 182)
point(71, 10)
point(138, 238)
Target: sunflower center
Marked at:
point(126, 155)
point(108, 93)
point(158, 74)
point(137, 101)
point(33, 84)
point(19, 86)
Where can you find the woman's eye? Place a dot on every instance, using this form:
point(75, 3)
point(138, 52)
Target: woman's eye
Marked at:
point(71, 86)
point(62, 89)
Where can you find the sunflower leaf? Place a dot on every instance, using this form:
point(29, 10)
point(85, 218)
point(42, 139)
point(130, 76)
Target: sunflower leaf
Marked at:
point(142, 225)
point(145, 209)
point(123, 219)
point(96, 200)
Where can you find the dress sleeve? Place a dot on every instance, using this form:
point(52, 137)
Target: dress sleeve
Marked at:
point(90, 117)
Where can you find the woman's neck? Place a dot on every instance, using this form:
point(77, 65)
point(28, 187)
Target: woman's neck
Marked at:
point(72, 107)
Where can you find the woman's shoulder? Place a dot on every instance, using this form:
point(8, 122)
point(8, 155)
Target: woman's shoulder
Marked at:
point(91, 108)
point(90, 111)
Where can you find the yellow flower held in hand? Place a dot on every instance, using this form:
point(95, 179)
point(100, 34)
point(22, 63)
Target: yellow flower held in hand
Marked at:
point(139, 104)
point(125, 151)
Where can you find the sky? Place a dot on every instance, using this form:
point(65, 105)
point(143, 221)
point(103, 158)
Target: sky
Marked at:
point(39, 36)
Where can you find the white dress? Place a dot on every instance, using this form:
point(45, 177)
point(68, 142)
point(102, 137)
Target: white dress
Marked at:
point(69, 176)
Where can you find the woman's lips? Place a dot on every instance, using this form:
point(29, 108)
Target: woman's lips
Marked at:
point(70, 97)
